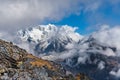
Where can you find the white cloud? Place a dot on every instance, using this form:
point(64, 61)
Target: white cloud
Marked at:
point(109, 52)
point(115, 73)
point(17, 14)
point(24, 13)
point(101, 65)
point(91, 5)
point(7, 36)
point(109, 36)
point(82, 59)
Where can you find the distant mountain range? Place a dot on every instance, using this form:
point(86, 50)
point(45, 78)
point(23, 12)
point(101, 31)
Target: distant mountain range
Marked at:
point(96, 55)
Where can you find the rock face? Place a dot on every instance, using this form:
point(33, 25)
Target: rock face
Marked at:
point(17, 64)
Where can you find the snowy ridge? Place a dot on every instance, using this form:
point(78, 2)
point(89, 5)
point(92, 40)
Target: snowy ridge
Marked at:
point(63, 41)
point(43, 32)
point(49, 36)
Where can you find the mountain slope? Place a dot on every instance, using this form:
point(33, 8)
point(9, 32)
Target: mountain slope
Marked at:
point(16, 63)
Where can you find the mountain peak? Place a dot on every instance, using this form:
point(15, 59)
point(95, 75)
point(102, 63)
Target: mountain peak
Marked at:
point(44, 37)
point(42, 32)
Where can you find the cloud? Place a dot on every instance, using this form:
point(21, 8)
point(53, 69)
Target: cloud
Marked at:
point(101, 65)
point(109, 36)
point(17, 14)
point(115, 73)
point(7, 36)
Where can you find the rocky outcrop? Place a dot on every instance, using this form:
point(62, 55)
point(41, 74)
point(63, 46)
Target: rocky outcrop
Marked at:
point(17, 64)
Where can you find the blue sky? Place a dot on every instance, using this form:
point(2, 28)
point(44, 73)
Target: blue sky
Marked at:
point(87, 21)
point(75, 21)
point(88, 15)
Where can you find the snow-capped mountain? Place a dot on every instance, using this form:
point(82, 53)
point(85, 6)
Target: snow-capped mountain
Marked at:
point(49, 38)
point(95, 59)
point(96, 54)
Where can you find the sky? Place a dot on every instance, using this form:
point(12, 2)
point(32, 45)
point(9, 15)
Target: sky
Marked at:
point(88, 15)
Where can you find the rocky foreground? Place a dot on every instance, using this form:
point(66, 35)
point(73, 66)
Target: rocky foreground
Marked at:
point(17, 64)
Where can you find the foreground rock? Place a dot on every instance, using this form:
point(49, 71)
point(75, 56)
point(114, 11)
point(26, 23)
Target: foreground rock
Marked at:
point(17, 64)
